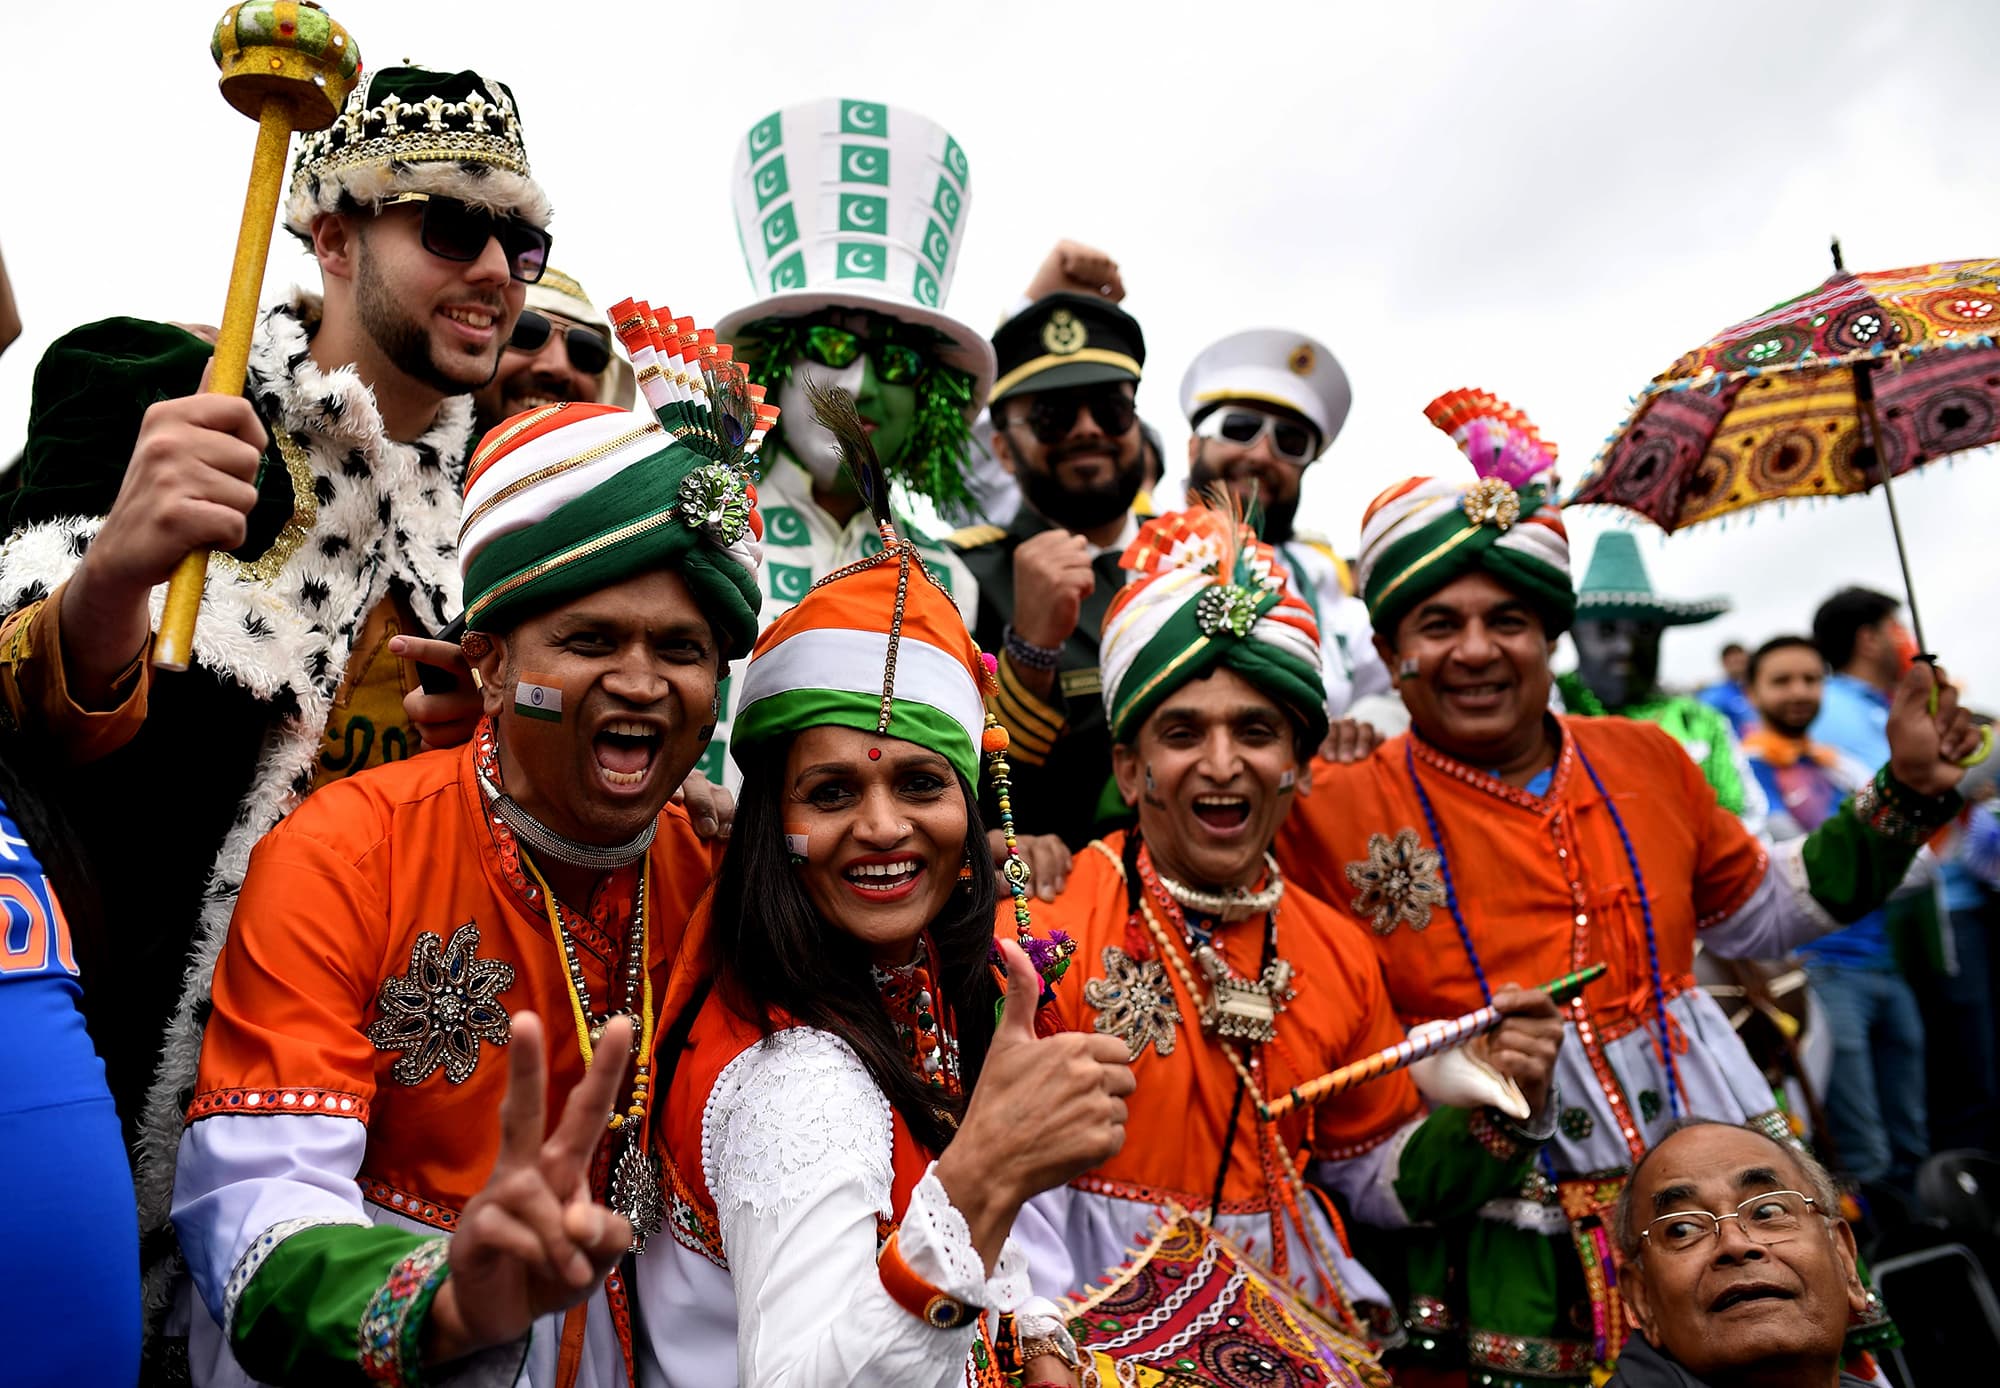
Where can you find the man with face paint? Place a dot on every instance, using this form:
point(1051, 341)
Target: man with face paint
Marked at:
point(431, 960)
point(854, 273)
point(1230, 986)
point(1264, 406)
point(1065, 424)
point(1619, 622)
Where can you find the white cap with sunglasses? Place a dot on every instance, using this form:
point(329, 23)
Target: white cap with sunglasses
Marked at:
point(1230, 380)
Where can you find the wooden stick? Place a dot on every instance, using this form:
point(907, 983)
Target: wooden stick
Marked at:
point(1450, 1036)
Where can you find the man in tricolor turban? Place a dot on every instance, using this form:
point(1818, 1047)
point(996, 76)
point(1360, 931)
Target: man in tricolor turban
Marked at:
point(1228, 985)
point(1498, 841)
point(426, 958)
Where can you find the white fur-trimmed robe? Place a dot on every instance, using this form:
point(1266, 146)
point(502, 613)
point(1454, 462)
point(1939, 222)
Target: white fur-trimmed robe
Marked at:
point(386, 513)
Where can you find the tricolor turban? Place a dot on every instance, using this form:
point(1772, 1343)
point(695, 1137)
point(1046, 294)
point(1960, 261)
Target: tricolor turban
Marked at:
point(1425, 533)
point(877, 646)
point(570, 498)
point(1209, 595)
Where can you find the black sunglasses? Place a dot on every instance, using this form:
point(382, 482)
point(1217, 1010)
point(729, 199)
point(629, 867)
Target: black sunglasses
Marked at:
point(453, 231)
point(1051, 414)
point(589, 350)
point(896, 363)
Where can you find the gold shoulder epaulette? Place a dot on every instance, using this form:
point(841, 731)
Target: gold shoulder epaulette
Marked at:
point(973, 536)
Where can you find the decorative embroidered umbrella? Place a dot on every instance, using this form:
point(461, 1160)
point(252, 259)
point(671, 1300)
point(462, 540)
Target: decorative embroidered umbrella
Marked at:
point(1813, 397)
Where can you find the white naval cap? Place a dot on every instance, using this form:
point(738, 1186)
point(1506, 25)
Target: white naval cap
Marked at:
point(1270, 366)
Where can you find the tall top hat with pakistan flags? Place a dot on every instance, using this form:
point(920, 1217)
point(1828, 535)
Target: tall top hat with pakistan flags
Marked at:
point(856, 204)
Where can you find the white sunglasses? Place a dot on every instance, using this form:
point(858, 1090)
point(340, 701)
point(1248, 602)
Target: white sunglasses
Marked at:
point(1291, 440)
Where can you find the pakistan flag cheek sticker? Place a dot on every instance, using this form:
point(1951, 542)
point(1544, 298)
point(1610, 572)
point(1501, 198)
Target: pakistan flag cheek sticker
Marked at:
point(538, 696)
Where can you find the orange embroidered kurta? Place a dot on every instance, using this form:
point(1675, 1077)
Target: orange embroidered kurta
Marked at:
point(1543, 882)
point(1373, 1144)
point(353, 1068)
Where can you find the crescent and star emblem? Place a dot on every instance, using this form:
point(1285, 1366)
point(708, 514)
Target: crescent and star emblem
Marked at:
point(864, 163)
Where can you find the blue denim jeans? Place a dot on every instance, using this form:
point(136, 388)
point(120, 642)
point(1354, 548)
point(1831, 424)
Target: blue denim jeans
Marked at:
point(1875, 1096)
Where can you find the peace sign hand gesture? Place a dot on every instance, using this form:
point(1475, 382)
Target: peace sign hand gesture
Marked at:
point(533, 1241)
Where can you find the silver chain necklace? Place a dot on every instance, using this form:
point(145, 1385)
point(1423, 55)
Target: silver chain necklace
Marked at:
point(1238, 903)
point(547, 842)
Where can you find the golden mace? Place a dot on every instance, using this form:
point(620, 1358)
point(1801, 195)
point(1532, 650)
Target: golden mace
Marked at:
point(286, 64)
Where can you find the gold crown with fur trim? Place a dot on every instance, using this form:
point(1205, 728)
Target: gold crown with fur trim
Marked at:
point(413, 130)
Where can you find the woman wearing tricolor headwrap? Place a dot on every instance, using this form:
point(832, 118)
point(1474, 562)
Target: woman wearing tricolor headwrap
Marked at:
point(1228, 986)
point(1496, 840)
point(856, 1112)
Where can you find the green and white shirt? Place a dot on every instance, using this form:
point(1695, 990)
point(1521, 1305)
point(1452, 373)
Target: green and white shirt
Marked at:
point(803, 544)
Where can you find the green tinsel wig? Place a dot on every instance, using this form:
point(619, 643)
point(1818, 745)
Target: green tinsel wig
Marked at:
point(933, 464)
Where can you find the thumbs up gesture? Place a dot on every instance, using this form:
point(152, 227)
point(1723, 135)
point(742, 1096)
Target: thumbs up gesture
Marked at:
point(1045, 1109)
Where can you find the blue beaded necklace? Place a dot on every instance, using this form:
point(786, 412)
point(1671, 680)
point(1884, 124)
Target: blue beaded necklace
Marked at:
point(1638, 880)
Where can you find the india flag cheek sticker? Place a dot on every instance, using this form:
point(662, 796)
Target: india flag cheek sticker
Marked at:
point(796, 840)
point(538, 696)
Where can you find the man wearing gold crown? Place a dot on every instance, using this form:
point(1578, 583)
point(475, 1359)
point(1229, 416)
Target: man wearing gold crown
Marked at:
point(1229, 985)
point(852, 274)
point(426, 958)
point(1496, 841)
point(330, 493)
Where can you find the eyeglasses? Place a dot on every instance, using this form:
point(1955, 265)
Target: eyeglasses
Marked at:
point(1292, 441)
point(896, 363)
point(453, 231)
point(1769, 1218)
point(1051, 414)
point(589, 350)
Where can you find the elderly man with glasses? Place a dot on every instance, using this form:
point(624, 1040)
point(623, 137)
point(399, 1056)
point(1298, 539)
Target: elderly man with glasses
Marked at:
point(1738, 1268)
point(330, 493)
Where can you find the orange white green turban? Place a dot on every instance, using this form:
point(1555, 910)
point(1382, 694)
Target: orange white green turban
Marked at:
point(878, 646)
point(1425, 533)
point(1208, 595)
point(570, 498)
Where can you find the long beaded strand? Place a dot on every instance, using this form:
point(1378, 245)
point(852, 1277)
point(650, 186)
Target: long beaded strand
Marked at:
point(1328, 1266)
point(642, 1079)
point(1652, 941)
point(1638, 879)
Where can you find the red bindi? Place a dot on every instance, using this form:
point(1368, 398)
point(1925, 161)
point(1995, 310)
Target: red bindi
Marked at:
point(874, 754)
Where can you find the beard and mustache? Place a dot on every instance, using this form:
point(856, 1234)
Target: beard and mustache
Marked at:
point(1086, 507)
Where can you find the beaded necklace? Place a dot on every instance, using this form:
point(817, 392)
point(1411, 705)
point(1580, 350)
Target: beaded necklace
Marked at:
point(1281, 1177)
point(1638, 880)
point(926, 1029)
point(1238, 1008)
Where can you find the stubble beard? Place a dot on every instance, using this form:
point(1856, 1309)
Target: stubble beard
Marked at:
point(404, 340)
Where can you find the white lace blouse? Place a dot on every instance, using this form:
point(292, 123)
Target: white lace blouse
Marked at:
point(797, 1145)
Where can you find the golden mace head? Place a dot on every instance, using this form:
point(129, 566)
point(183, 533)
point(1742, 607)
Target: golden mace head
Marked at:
point(288, 50)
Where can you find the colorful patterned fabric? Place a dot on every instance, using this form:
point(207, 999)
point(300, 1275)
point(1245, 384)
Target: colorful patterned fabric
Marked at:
point(1208, 594)
point(1195, 1310)
point(1768, 409)
point(570, 498)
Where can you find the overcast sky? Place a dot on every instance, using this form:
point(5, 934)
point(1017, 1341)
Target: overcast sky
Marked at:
point(1551, 201)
